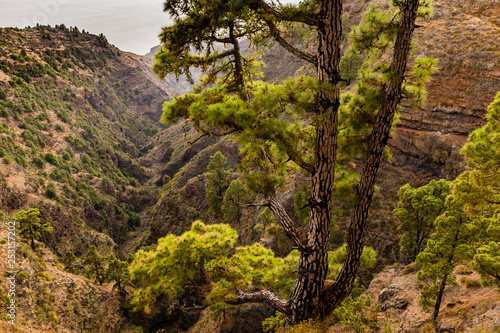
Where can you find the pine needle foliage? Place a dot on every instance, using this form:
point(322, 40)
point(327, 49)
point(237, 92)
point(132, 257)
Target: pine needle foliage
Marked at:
point(234, 199)
point(302, 123)
point(95, 265)
point(31, 225)
point(177, 262)
point(204, 259)
point(479, 189)
point(417, 210)
point(118, 273)
point(217, 181)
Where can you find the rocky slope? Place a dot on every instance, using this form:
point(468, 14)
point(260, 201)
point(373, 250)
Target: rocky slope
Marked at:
point(464, 36)
point(467, 307)
point(426, 142)
point(75, 114)
point(49, 299)
point(96, 109)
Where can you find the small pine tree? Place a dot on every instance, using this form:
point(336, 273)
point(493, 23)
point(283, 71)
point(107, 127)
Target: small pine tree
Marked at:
point(216, 181)
point(479, 189)
point(31, 225)
point(68, 260)
point(417, 210)
point(94, 264)
point(117, 272)
point(450, 244)
point(236, 195)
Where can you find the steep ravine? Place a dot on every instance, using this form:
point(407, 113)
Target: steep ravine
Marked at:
point(125, 164)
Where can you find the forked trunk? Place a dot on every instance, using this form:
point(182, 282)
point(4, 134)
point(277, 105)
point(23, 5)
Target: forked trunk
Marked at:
point(310, 297)
point(342, 287)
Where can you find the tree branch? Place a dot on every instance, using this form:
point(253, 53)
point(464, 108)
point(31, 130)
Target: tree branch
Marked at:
point(198, 139)
point(262, 296)
point(307, 19)
point(288, 225)
point(295, 51)
point(263, 204)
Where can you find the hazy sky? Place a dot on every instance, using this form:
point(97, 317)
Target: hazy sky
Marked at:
point(131, 25)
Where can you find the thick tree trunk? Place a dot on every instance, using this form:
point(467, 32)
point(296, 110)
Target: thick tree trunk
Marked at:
point(310, 298)
point(305, 301)
point(342, 287)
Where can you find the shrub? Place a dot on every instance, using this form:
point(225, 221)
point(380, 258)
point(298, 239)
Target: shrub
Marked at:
point(51, 191)
point(308, 326)
point(21, 160)
point(39, 162)
point(413, 267)
point(49, 157)
point(3, 94)
point(470, 283)
point(3, 112)
point(463, 269)
point(66, 156)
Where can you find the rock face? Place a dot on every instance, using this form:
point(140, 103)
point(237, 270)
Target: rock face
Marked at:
point(247, 318)
point(49, 299)
point(464, 36)
point(464, 309)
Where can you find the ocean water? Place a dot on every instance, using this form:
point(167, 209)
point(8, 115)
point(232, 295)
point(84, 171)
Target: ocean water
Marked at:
point(130, 25)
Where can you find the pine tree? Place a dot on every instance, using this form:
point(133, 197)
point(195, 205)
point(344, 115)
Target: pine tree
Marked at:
point(452, 242)
point(68, 260)
point(31, 225)
point(216, 181)
point(94, 264)
point(479, 189)
point(417, 209)
point(117, 272)
point(301, 122)
point(234, 199)
point(177, 265)
point(487, 263)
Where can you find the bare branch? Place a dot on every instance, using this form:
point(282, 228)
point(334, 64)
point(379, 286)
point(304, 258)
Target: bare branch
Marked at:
point(198, 139)
point(288, 225)
point(310, 20)
point(300, 162)
point(295, 51)
point(262, 296)
point(262, 204)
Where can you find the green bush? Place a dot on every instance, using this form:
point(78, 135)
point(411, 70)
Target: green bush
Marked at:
point(21, 160)
point(49, 157)
point(51, 192)
point(66, 156)
point(39, 162)
point(3, 94)
point(3, 112)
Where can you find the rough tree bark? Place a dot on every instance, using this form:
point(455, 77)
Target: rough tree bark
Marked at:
point(310, 298)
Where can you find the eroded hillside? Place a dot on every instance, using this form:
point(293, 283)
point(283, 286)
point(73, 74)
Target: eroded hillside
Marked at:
point(75, 114)
point(80, 139)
